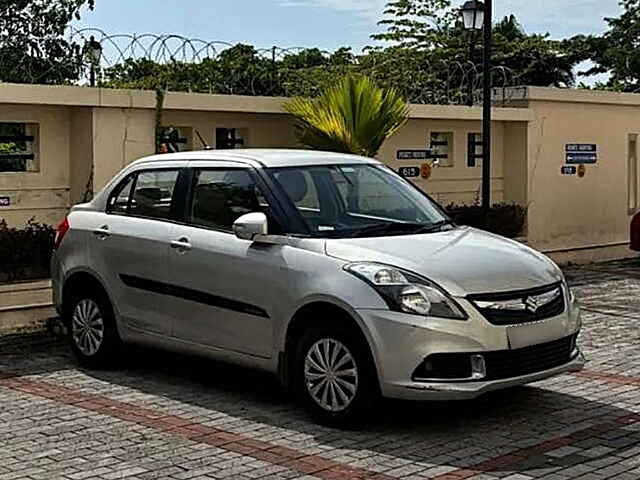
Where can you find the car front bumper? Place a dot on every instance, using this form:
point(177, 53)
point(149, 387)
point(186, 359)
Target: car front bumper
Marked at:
point(400, 343)
point(470, 390)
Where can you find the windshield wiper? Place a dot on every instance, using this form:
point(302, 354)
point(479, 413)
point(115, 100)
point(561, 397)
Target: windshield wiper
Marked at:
point(398, 227)
point(436, 227)
point(387, 228)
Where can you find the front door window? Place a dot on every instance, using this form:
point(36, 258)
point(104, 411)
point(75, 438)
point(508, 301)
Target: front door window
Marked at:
point(222, 196)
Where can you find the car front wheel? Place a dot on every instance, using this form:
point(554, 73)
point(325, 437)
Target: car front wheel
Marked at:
point(335, 377)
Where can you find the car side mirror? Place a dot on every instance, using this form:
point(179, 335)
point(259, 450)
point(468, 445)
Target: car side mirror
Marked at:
point(251, 225)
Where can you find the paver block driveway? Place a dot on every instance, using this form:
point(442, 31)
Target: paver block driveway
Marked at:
point(170, 416)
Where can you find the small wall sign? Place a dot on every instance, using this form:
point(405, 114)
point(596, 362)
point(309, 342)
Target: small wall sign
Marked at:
point(582, 158)
point(582, 148)
point(569, 170)
point(409, 172)
point(414, 154)
point(5, 201)
point(581, 153)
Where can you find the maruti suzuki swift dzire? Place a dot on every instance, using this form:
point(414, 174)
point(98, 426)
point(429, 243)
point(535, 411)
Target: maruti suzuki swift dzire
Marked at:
point(329, 270)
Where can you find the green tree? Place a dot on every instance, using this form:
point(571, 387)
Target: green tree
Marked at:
point(135, 73)
point(418, 75)
point(536, 59)
point(418, 23)
point(239, 70)
point(616, 52)
point(433, 27)
point(354, 116)
point(33, 45)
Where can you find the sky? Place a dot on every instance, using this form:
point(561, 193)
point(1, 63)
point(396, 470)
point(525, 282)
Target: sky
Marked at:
point(327, 24)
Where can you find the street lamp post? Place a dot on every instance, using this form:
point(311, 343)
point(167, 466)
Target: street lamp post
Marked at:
point(93, 55)
point(477, 15)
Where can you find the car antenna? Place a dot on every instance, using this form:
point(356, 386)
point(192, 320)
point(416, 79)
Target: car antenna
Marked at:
point(204, 144)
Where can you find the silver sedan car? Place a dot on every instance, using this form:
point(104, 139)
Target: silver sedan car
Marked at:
point(328, 270)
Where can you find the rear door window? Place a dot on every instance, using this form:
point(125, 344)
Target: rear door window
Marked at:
point(147, 194)
point(153, 194)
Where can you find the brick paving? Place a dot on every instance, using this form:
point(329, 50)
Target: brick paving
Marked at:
point(176, 417)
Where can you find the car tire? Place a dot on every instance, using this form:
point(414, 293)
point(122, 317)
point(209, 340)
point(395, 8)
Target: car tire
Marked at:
point(93, 333)
point(344, 394)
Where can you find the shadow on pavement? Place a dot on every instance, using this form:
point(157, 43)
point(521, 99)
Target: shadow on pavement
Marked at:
point(457, 434)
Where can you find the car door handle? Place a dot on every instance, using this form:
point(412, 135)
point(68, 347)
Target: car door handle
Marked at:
point(102, 233)
point(181, 245)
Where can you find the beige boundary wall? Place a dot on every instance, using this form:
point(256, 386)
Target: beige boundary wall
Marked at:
point(85, 136)
point(88, 133)
point(582, 218)
point(25, 306)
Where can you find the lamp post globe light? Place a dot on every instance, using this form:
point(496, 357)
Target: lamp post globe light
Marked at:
point(477, 15)
point(473, 15)
point(93, 55)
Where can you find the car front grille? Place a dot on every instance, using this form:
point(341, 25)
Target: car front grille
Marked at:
point(523, 306)
point(499, 365)
point(528, 360)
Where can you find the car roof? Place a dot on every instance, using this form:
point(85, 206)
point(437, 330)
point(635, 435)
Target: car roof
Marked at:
point(266, 158)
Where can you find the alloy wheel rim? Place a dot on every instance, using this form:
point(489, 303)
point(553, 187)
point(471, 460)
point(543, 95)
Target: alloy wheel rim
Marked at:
point(87, 327)
point(331, 375)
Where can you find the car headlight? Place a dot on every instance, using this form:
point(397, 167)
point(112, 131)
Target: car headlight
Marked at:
point(406, 292)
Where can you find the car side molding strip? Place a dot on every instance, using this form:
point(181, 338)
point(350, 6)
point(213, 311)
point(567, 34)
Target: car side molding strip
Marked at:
point(192, 295)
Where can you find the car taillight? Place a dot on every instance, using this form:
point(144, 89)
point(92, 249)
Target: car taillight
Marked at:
point(62, 230)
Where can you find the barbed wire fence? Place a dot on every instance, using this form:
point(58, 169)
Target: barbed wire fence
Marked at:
point(103, 59)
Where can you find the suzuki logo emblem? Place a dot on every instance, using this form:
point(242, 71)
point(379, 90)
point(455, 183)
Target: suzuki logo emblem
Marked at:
point(532, 304)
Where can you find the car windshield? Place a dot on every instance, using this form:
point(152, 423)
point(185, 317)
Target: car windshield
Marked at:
point(346, 201)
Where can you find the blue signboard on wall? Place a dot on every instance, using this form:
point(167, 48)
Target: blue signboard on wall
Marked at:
point(581, 158)
point(582, 148)
point(414, 154)
point(5, 201)
point(581, 153)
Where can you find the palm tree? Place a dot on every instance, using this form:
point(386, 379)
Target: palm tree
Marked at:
point(354, 116)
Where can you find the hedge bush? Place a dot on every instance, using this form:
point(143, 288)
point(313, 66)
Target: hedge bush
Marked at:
point(504, 219)
point(25, 253)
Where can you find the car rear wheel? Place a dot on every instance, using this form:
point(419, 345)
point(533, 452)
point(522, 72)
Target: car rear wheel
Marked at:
point(92, 330)
point(335, 378)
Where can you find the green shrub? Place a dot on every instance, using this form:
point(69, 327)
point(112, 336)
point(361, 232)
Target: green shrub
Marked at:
point(504, 219)
point(25, 253)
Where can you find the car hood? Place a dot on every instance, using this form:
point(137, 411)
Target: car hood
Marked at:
point(463, 261)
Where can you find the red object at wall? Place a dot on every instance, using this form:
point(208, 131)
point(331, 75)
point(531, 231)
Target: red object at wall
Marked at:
point(635, 233)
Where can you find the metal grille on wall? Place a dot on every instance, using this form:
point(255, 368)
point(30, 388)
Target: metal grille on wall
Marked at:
point(174, 62)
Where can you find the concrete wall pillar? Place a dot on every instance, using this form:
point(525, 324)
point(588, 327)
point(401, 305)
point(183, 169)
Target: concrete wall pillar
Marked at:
point(81, 154)
point(515, 163)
